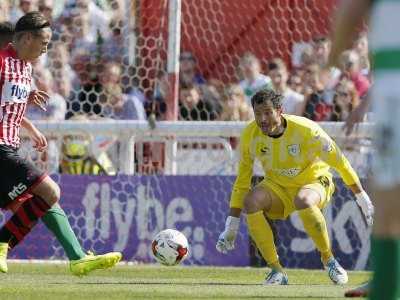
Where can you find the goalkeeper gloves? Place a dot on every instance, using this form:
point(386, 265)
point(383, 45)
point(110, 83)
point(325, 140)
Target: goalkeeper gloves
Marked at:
point(226, 240)
point(366, 206)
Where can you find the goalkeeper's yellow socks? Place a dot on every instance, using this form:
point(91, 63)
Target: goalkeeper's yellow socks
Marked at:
point(386, 265)
point(57, 222)
point(315, 226)
point(261, 233)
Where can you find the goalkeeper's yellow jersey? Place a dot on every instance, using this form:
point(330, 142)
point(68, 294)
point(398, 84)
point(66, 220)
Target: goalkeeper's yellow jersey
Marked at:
point(298, 157)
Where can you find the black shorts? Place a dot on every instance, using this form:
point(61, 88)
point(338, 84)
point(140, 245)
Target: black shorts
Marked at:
point(17, 176)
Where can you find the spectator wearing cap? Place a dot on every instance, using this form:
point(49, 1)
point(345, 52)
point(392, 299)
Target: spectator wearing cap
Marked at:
point(253, 79)
point(292, 102)
point(188, 73)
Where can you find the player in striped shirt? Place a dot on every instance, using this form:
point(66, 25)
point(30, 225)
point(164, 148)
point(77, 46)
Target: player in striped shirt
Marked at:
point(385, 44)
point(30, 193)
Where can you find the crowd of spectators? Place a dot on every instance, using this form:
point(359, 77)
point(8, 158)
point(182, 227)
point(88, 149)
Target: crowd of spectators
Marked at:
point(88, 74)
point(86, 71)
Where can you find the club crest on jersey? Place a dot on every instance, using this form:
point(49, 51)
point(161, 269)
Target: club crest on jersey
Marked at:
point(294, 149)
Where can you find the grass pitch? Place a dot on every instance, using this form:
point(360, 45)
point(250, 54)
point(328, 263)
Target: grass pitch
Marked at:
point(53, 281)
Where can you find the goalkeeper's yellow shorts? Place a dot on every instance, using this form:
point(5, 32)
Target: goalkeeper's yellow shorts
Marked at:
point(323, 186)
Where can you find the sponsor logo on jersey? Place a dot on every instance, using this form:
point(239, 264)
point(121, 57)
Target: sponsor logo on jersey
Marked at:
point(19, 92)
point(15, 92)
point(265, 150)
point(291, 172)
point(17, 191)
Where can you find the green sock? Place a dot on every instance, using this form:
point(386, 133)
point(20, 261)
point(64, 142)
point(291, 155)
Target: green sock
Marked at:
point(386, 265)
point(57, 221)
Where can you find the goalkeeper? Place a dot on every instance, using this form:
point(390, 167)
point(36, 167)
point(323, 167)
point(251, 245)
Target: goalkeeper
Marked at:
point(296, 155)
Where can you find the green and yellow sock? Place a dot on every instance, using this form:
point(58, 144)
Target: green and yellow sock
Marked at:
point(57, 222)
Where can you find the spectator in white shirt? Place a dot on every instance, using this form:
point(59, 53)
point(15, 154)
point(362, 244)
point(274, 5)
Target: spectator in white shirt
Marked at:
point(293, 102)
point(253, 79)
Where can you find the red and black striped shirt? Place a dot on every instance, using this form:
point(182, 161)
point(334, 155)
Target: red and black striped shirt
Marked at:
point(15, 86)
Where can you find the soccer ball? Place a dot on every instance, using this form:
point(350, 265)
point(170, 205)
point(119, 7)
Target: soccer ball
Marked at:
point(170, 247)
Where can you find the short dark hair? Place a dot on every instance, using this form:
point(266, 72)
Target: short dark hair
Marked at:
point(33, 22)
point(6, 28)
point(265, 95)
point(320, 39)
point(6, 33)
point(277, 63)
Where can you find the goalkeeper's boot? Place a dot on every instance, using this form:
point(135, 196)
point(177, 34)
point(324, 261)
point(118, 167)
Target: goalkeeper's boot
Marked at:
point(360, 291)
point(92, 262)
point(3, 257)
point(276, 277)
point(336, 273)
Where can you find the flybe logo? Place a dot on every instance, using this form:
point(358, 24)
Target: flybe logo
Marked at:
point(19, 92)
point(17, 191)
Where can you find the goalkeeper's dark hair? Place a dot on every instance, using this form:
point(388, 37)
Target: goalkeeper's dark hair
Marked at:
point(33, 22)
point(266, 95)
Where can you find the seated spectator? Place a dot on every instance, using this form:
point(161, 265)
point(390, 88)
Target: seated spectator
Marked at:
point(188, 73)
point(318, 99)
point(24, 6)
point(4, 11)
point(253, 79)
point(59, 61)
point(350, 67)
point(113, 49)
point(344, 100)
point(46, 7)
point(119, 106)
point(234, 105)
point(293, 102)
point(321, 46)
point(213, 91)
point(192, 107)
point(156, 107)
point(86, 86)
point(295, 81)
point(361, 47)
point(98, 19)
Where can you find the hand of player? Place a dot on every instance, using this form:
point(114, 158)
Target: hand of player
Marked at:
point(38, 139)
point(226, 240)
point(40, 98)
point(367, 208)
